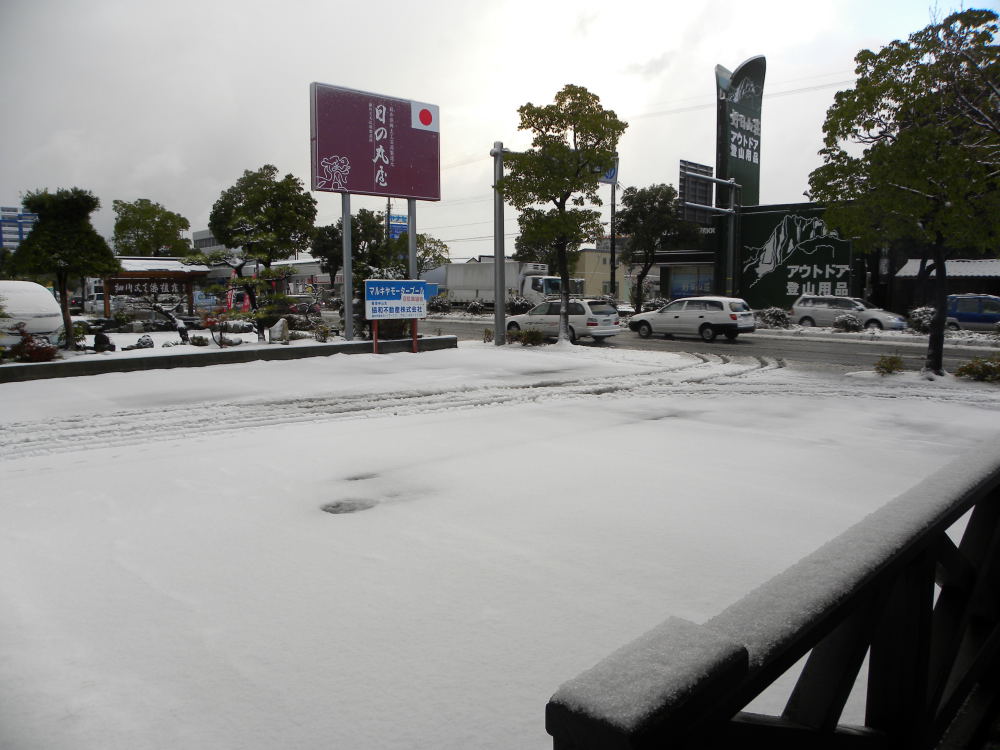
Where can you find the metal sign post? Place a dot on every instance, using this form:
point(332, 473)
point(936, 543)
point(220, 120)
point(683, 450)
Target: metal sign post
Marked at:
point(499, 283)
point(348, 306)
point(731, 287)
point(611, 178)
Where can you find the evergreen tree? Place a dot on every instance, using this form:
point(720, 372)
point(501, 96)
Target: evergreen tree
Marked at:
point(64, 243)
point(913, 150)
point(146, 228)
point(654, 220)
point(263, 219)
point(574, 142)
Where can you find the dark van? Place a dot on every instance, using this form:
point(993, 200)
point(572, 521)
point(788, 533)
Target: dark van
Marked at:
point(973, 312)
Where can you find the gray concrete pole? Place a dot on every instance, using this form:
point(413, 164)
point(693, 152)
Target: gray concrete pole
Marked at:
point(411, 234)
point(499, 260)
point(347, 312)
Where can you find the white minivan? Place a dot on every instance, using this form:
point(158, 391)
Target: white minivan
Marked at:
point(32, 304)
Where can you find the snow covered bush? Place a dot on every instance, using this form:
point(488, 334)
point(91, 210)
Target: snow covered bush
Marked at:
point(986, 369)
point(889, 364)
point(518, 305)
point(298, 322)
point(532, 337)
point(32, 348)
point(197, 340)
point(80, 331)
point(847, 323)
point(772, 317)
point(294, 335)
point(487, 335)
point(322, 333)
point(654, 304)
point(920, 319)
point(438, 304)
point(476, 307)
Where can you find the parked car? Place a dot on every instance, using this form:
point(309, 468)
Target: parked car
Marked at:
point(94, 303)
point(587, 317)
point(697, 316)
point(32, 304)
point(973, 312)
point(624, 308)
point(823, 309)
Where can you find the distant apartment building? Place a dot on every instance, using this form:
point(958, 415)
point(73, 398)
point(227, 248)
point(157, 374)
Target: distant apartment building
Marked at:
point(15, 225)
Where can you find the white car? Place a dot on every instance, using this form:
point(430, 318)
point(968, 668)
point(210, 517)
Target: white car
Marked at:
point(587, 317)
point(697, 316)
point(32, 304)
point(822, 310)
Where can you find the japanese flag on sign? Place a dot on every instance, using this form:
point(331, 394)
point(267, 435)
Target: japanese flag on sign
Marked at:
point(424, 116)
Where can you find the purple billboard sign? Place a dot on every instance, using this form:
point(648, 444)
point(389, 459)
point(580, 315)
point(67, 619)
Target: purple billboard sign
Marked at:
point(371, 144)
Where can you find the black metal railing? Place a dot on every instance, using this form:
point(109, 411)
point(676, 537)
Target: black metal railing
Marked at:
point(894, 587)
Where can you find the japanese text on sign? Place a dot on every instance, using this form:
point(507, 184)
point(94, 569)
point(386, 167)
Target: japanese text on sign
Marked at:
point(388, 300)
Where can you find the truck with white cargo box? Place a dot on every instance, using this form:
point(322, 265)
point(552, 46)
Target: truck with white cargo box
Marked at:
point(466, 282)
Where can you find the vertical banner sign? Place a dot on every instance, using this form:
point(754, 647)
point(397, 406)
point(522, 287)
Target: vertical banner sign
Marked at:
point(791, 251)
point(371, 144)
point(737, 144)
point(397, 225)
point(611, 176)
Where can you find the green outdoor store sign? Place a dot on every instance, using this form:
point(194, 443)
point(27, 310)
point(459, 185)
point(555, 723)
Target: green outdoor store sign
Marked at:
point(737, 148)
point(789, 251)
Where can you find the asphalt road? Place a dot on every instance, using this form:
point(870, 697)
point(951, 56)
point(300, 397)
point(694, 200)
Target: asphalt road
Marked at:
point(807, 351)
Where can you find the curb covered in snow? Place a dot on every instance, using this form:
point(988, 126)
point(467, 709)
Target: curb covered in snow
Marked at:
point(100, 364)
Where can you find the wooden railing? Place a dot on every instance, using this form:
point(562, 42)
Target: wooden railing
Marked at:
point(895, 587)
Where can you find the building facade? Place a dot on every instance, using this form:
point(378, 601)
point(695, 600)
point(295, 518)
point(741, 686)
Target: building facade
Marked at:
point(15, 225)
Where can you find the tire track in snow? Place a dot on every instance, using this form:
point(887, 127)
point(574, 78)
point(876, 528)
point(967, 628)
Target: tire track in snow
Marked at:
point(131, 427)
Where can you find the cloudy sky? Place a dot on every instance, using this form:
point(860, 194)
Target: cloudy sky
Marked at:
point(172, 101)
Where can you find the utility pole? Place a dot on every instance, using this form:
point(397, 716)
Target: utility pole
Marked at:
point(499, 259)
point(613, 284)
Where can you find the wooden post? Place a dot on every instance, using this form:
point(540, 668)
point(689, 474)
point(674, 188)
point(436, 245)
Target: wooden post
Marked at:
point(374, 337)
point(414, 327)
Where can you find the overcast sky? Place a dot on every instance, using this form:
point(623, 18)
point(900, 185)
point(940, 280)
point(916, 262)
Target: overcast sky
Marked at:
point(172, 101)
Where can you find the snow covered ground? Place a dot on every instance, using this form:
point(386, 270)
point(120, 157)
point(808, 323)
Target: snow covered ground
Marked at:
point(507, 517)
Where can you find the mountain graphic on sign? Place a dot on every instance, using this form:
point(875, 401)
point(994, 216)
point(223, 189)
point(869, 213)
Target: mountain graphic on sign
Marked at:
point(787, 238)
point(746, 90)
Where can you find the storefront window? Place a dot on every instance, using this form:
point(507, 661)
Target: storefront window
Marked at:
point(689, 281)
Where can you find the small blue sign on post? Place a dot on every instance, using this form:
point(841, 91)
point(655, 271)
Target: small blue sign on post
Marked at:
point(397, 225)
point(395, 300)
point(611, 176)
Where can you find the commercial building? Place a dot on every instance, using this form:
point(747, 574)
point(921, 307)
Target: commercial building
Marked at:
point(15, 225)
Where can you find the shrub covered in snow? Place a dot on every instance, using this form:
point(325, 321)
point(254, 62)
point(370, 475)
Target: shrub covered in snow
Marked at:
point(526, 337)
point(518, 305)
point(889, 364)
point(847, 323)
point(476, 307)
point(772, 317)
point(920, 319)
point(986, 369)
point(322, 333)
point(31, 348)
point(298, 322)
point(438, 304)
point(197, 340)
point(654, 304)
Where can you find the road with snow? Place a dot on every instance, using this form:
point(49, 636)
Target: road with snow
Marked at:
point(811, 349)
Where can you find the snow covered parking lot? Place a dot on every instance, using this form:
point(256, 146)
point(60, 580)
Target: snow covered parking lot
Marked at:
point(169, 578)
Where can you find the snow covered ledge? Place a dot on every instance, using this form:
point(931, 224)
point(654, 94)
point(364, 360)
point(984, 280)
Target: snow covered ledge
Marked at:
point(679, 684)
